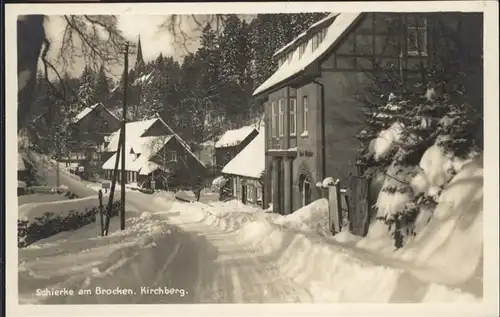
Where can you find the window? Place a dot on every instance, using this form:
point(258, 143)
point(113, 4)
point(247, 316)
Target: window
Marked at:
point(250, 192)
point(273, 119)
point(259, 194)
point(321, 35)
point(417, 35)
point(305, 114)
point(314, 42)
point(172, 156)
point(293, 116)
point(235, 187)
point(302, 49)
point(280, 61)
point(281, 117)
point(318, 38)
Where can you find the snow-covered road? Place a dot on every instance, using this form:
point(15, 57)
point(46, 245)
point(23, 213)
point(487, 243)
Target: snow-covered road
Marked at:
point(219, 253)
point(204, 264)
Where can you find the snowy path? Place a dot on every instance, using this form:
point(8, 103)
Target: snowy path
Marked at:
point(231, 257)
point(229, 272)
point(209, 265)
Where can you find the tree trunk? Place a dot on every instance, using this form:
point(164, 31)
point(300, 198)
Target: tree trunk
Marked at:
point(30, 38)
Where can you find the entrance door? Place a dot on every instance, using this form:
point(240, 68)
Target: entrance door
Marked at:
point(307, 193)
point(244, 194)
point(281, 184)
point(305, 190)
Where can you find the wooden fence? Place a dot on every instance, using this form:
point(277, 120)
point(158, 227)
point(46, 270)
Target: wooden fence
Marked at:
point(350, 205)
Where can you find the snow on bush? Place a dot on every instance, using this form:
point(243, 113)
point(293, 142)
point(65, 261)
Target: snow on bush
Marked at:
point(219, 182)
point(395, 192)
point(51, 223)
point(437, 170)
point(387, 141)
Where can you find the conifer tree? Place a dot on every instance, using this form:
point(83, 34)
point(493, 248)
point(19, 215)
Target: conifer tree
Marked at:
point(102, 86)
point(433, 110)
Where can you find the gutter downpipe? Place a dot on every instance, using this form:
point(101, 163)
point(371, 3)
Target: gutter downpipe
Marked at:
point(323, 141)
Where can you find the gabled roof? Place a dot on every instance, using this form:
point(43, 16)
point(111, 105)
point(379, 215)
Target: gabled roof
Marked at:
point(250, 162)
point(134, 130)
point(181, 141)
point(147, 147)
point(297, 63)
point(302, 35)
point(234, 137)
point(88, 110)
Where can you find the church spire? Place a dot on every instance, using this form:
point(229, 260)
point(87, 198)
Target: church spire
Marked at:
point(139, 61)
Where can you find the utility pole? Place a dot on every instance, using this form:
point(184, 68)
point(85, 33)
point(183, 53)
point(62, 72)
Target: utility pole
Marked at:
point(124, 123)
point(57, 142)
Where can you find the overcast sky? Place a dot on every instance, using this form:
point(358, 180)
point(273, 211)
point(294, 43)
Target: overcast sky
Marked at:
point(154, 40)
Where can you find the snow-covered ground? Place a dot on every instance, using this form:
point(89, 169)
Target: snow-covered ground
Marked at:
point(232, 253)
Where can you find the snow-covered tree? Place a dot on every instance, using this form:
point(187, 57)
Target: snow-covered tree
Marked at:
point(415, 120)
point(101, 86)
point(86, 91)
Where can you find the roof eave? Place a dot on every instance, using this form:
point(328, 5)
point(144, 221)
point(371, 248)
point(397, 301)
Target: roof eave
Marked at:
point(245, 176)
point(312, 69)
point(286, 82)
point(306, 74)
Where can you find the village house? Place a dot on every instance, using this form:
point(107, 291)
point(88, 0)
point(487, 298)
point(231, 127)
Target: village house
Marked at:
point(244, 173)
point(87, 132)
point(231, 143)
point(154, 152)
point(311, 105)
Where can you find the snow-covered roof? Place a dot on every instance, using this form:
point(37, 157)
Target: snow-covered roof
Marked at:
point(303, 34)
point(148, 168)
point(139, 144)
point(298, 63)
point(133, 130)
point(88, 110)
point(147, 147)
point(20, 163)
point(250, 162)
point(234, 137)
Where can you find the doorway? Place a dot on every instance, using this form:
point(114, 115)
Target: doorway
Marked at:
point(305, 190)
point(244, 194)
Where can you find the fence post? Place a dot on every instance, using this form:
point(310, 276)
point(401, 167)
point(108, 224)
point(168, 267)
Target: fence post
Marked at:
point(335, 207)
point(101, 207)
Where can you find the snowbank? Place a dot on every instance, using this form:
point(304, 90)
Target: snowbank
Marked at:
point(353, 275)
point(126, 258)
point(312, 218)
point(453, 238)
point(30, 211)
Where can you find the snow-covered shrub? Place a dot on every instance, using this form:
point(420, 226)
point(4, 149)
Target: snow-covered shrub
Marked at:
point(50, 224)
point(419, 143)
